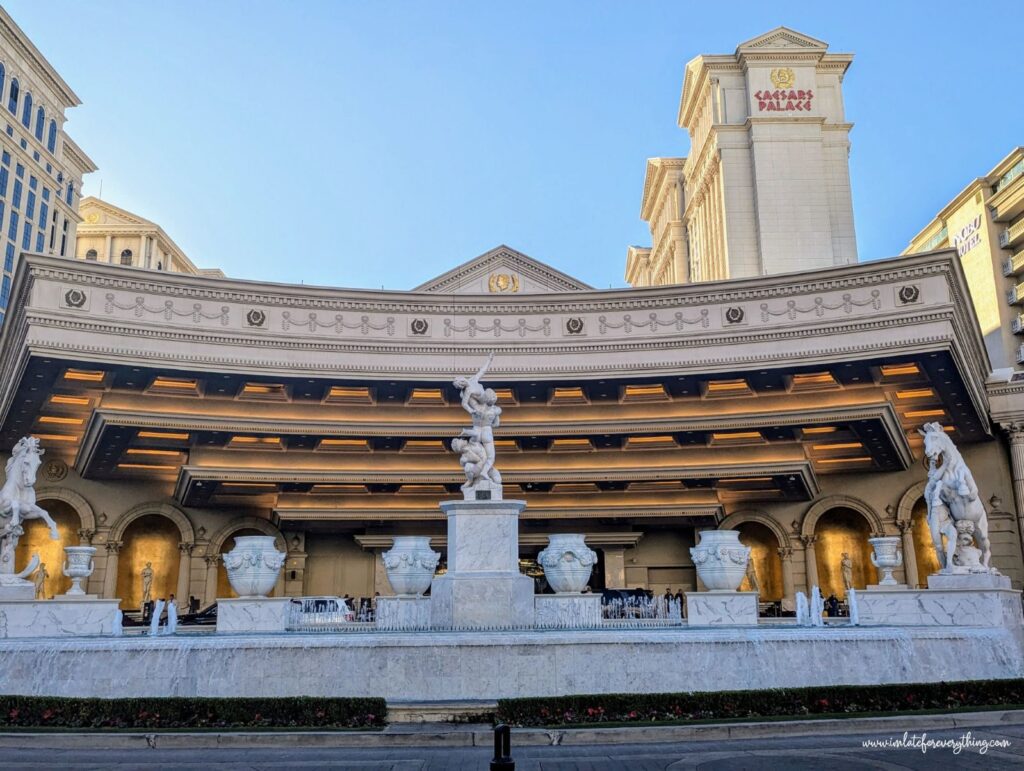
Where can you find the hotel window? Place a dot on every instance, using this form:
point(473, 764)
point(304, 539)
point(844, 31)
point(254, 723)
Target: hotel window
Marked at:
point(3, 72)
point(30, 205)
point(64, 239)
point(91, 255)
point(9, 258)
point(12, 97)
point(26, 112)
point(43, 211)
point(26, 236)
point(16, 198)
point(39, 241)
point(5, 291)
point(12, 230)
point(51, 139)
point(19, 171)
point(3, 180)
point(71, 192)
point(126, 257)
point(40, 123)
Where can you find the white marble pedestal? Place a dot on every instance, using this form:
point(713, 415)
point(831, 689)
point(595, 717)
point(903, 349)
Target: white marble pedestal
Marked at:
point(59, 617)
point(951, 599)
point(257, 614)
point(403, 613)
point(483, 588)
point(721, 608)
point(17, 590)
point(567, 611)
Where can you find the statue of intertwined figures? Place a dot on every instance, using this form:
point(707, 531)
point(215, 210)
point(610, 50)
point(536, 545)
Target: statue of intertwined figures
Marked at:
point(952, 497)
point(17, 504)
point(476, 445)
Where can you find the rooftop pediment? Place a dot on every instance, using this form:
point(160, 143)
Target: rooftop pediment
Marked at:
point(503, 271)
point(94, 211)
point(781, 38)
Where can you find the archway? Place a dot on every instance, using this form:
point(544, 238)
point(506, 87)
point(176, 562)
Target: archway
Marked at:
point(36, 540)
point(151, 538)
point(842, 530)
point(764, 555)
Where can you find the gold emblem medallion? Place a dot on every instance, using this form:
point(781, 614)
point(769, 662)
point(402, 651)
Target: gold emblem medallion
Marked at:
point(783, 77)
point(503, 282)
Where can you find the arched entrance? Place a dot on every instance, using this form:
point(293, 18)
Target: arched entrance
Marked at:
point(153, 539)
point(36, 540)
point(764, 555)
point(843, 530)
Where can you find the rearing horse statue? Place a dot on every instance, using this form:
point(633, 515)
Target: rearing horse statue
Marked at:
point(18, 502)
point(951, 495)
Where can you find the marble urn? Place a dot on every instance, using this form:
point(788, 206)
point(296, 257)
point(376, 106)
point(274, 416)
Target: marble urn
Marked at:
point(253, 565)
point(886, 557)
point(410, 564)
point(720, 559)
point(567, 562)
point(78, 566)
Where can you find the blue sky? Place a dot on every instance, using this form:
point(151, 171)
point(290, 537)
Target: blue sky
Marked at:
point(381, 143)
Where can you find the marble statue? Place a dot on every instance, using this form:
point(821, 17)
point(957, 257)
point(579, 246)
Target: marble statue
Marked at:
point(476, 445)
point(752, 577)
point(17, 504)
point(967, 555)
point(147, 583)
point(846, 568)
point(39, 579)
point(952, 496)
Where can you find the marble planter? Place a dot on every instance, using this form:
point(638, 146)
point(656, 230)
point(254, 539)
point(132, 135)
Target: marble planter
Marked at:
point(886, 557)
point(78, 566)
point(410, 565)
point(253, 565)
point(567, 562)
point(720, 559)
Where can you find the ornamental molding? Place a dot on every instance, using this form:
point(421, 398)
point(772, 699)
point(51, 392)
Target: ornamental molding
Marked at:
point(285, 513)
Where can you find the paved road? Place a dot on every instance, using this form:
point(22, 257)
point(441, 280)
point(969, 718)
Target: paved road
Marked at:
point(796, 753)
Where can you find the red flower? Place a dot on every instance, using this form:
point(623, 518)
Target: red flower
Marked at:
point(47, 714)
point(13, 714)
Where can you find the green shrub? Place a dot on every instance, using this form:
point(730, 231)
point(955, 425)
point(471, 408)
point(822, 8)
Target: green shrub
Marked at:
point(164, 713)
point(780, 702)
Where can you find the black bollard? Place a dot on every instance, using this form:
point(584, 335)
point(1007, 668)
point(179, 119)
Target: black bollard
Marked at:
point(503, 749)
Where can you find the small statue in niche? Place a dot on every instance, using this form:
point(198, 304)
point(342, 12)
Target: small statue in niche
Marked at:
point(39, 579)
point(751, 575)
point(147, 583)
point(846, 569)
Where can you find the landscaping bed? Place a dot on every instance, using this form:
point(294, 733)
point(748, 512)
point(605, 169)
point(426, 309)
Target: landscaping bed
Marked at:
point(191, 713)
point(826, 701)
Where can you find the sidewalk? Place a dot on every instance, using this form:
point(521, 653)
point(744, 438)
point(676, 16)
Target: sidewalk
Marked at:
point(480, 735)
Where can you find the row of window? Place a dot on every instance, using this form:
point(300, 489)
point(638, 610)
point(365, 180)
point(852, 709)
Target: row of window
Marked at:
point(13, 94)
point(126, 256)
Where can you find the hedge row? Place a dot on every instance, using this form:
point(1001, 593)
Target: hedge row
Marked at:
point(301, 712)
point(781, 702)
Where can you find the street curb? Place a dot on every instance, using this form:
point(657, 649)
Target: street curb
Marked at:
point(446, 735)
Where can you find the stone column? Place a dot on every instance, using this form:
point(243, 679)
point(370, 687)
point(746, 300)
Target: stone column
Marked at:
point(212, 563)
point(810, 560)
point(788, 593)
point(141, 262)
point(110, 573)
point(107, 248)
point(184, 573)
point(1015, 433)
point(909, 553)
point(614, 567)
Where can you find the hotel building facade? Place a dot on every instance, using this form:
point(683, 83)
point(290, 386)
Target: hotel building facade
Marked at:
point(751, 378)
point(41, 168)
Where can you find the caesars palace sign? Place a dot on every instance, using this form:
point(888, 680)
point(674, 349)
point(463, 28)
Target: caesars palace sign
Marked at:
point(784, 98)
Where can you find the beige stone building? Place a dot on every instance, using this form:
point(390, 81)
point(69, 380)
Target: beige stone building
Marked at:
point(985, 224)
point(766, 186)
point(41, 169)
point(113, 235)
point(179, 411)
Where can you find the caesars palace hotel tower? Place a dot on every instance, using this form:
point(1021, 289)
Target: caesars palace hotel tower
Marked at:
point(766, 187)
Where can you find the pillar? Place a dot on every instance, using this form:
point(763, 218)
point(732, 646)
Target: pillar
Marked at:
point(106, 249)
point(184, 574)
point(110, 573)
point(210, 594)
point(909, 553)
point(141, 262)
point(614, 567)
point(810, 560)
point(788, 593)
point(1015, 433)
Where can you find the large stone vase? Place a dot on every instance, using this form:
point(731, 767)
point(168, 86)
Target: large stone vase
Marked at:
point(410, 565)
point(887, 556)
point(567, 562)
point(253, 565)
point(78, 566)
point(720, 559)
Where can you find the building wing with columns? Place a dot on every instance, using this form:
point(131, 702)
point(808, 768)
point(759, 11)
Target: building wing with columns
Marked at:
point(780, 395)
